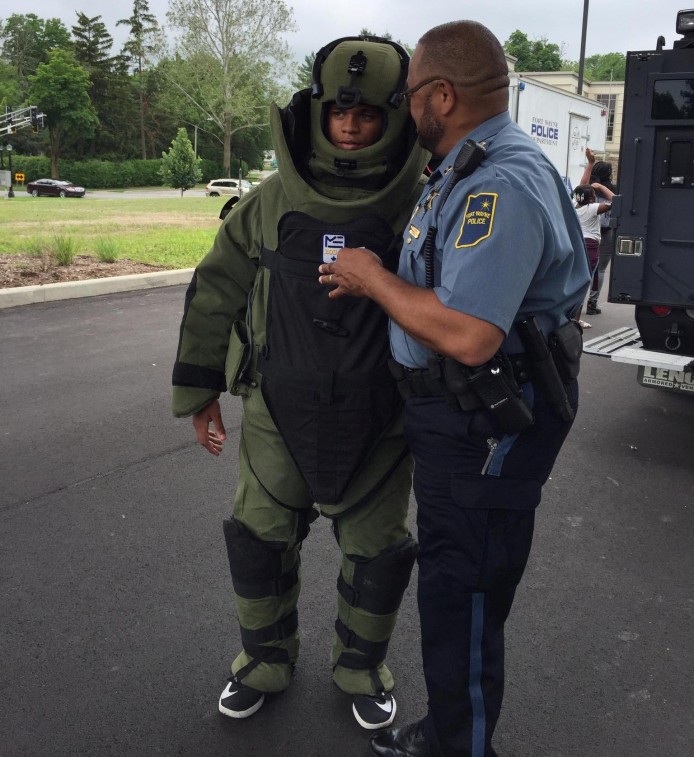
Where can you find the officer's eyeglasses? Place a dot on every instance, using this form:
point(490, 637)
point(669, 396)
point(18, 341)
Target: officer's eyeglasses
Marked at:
point(407, 94)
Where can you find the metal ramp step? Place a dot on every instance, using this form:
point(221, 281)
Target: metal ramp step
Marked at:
point(607, 344)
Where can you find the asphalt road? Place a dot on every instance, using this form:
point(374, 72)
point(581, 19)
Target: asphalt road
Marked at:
point(116, 618)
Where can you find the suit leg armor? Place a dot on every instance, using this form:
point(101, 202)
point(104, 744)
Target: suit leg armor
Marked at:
point(266, 578)
point(369, 594)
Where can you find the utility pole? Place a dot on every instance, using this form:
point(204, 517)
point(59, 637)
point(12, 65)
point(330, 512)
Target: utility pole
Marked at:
point(9, 157)
point(582, 59)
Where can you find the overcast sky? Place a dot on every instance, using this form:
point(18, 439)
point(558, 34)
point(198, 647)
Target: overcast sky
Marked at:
point(613, 25)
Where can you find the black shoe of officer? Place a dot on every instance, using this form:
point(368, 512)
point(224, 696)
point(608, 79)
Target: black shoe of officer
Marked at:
point(593, 309)
point(408, 741)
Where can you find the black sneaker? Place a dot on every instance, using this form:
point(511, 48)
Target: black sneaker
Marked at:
point(374, 712)
point(239, 701)
point(593, 310)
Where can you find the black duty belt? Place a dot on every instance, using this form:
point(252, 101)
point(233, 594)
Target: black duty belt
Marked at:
point(430, 382)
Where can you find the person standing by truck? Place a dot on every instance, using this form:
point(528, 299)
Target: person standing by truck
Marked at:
point(600, 172)
point(589, 210)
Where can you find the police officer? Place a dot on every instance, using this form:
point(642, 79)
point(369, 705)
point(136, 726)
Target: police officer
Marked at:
point(322, 416)
point(491, 270)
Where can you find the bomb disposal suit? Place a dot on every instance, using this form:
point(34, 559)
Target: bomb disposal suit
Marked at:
point(321, 429)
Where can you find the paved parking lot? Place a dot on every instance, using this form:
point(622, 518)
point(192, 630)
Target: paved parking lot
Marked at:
point(117, 620)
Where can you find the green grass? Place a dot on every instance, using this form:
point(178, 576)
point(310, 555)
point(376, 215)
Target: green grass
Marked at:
point(174, 231)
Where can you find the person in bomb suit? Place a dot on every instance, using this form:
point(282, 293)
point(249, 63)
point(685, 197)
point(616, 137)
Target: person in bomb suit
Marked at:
point(322, 418)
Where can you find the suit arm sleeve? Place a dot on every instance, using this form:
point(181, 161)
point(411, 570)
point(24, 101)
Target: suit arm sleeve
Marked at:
point(216, 297)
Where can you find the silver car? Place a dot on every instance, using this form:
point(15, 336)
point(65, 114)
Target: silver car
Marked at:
point(230, 187)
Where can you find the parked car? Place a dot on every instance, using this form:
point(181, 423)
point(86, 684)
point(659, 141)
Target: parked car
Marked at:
point(218, 187)
point(54, 188)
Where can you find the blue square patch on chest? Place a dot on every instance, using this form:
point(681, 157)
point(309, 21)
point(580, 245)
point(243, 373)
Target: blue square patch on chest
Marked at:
point(332, 244)
point(478, 219)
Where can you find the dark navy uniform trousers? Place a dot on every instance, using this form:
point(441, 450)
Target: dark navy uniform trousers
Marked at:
point(474, 531)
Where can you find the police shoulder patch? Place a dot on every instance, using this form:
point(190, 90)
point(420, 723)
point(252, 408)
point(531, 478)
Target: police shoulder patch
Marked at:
point(478, 219)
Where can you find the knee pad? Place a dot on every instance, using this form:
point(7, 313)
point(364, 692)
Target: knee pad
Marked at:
point(256, 566)
point(378, 583)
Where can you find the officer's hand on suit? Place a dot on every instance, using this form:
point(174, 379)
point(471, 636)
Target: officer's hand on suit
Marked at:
point(351, 273)
point(210, 439)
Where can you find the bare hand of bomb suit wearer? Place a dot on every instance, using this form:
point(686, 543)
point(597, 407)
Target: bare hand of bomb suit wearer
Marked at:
point(211, 439)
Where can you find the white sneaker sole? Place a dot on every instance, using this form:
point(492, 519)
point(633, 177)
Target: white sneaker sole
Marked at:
point(375, 726)
point(239, 714)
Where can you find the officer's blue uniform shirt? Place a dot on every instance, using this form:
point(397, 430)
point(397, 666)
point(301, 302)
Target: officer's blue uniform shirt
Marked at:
point(508, 245)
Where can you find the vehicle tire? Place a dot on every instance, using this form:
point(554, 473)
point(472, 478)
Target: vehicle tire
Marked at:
point(62, 193)
point(214, 194)
point(34, 193)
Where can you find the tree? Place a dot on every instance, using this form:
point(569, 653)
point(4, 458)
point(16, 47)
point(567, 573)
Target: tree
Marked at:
point(10, 86)
point(139, 47)
point(236, 53)
point(179, 166)
point(304, 73)
point(533, 55)
point(607, 67)
point(60, 88)
point(92, 43)
point(111, 91)
point(27, 40)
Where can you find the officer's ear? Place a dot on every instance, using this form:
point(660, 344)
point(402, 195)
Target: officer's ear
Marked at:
point(446, 94)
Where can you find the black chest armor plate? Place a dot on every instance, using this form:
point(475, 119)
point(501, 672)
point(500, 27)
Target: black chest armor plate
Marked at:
point(324, 367)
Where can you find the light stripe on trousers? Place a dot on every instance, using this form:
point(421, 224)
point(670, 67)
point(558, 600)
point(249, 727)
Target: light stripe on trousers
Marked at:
point(479, 724)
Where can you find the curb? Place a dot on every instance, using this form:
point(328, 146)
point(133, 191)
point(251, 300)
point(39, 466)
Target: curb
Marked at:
point(30, 295)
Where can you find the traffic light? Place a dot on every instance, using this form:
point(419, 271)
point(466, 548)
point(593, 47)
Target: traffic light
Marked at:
point(34, 118)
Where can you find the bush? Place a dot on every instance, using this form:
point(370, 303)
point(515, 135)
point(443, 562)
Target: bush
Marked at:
point(92, 174)
point(64, 250)
point(104, 174)
point(211, 170)
point(37, 247)
point(107, 250)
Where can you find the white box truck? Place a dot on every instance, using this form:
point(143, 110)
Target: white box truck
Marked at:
point(562, 123)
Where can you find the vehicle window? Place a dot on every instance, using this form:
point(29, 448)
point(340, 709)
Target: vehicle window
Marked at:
point(673, 99)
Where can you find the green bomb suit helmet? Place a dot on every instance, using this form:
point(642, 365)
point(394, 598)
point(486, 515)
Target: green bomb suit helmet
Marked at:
point(359, 71)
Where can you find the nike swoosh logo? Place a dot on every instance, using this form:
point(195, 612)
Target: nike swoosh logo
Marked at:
point(387, 707)
point(228, 692)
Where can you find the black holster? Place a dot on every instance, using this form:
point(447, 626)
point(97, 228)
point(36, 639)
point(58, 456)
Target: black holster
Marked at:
point(544, 369)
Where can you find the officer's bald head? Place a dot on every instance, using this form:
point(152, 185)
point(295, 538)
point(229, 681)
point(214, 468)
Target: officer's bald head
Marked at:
point(469, 55)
